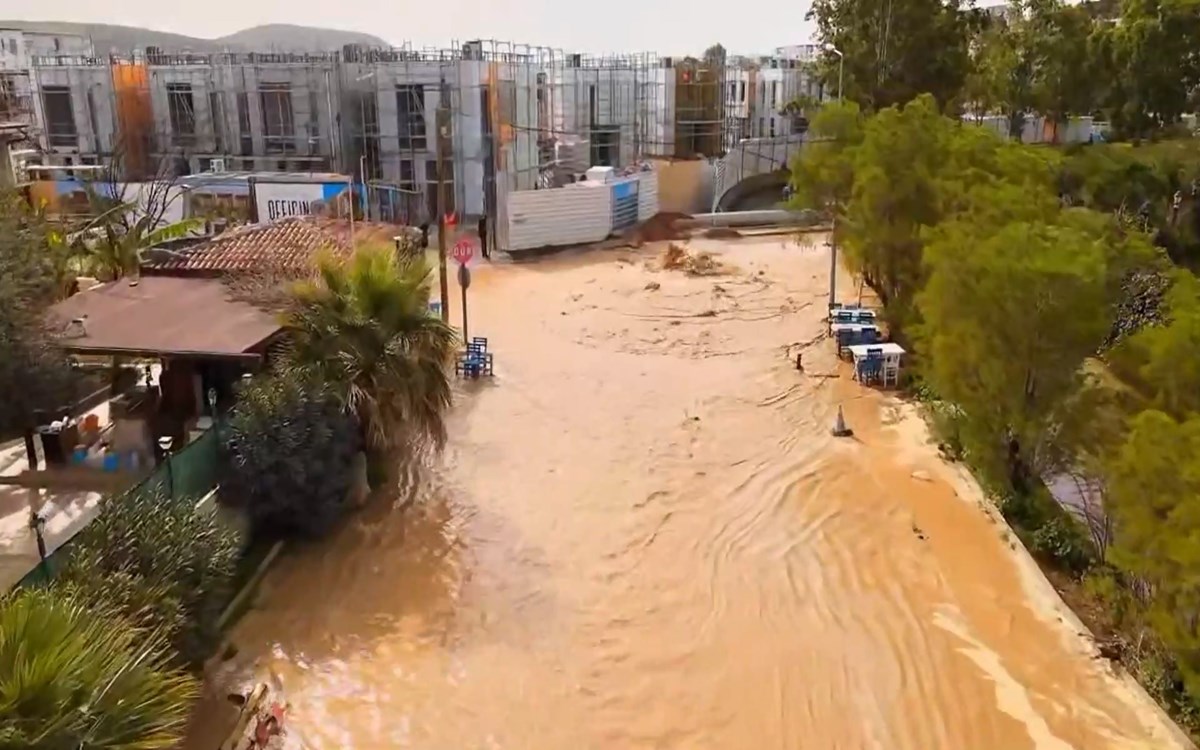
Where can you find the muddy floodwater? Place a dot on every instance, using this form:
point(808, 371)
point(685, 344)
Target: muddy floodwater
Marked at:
point(642, 535)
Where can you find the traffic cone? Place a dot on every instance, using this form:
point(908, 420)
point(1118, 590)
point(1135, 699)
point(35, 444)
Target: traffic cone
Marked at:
point(839, 427)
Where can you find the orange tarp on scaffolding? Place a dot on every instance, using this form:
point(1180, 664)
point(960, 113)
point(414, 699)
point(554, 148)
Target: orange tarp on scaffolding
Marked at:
point(135, 115)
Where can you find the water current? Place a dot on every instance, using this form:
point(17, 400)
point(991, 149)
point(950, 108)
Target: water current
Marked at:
point(642, 535)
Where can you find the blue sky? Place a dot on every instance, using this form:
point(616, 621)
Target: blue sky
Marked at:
point(669, 28)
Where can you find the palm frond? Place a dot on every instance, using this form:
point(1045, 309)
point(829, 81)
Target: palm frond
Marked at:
point(72, 677)
point(363, 323)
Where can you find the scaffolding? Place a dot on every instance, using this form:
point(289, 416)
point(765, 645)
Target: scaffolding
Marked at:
point(518, 116)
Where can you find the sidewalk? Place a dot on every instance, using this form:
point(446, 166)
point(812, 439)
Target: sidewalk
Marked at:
point(66, 513)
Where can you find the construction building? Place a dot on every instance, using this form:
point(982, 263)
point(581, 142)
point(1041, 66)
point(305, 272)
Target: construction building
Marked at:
point(765, 95)
point(505, 117)
point(19, 108)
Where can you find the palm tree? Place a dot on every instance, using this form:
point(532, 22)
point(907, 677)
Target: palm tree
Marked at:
point(112, 247)
point(74, 678)
point(363, 325)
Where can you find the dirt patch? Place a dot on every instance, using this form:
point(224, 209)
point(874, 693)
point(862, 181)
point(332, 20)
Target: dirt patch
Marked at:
point(722, 233)
point(659, 227)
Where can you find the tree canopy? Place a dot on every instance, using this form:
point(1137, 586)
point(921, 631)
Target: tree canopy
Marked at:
point(1136, 65)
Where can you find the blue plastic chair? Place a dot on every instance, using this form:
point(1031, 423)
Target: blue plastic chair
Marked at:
point(870, 368)
point(865, 316)
point(844, 339)
point(868, 336)
point(476, 360)
point(844, 316)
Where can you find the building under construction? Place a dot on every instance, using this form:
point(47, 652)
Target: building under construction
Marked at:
point(484, 116)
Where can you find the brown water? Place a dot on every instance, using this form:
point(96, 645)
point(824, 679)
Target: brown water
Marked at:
point(642, 536)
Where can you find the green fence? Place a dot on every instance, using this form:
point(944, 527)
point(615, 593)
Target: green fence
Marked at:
point(191, 472)
point(189, 475)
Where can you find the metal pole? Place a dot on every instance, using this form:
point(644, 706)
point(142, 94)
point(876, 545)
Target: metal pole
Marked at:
point(350, 187)
point(833, 262)
point(444, 281)
point(466, 336)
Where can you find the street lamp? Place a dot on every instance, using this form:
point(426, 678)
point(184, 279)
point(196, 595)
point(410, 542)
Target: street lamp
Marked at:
point(165, 443)
point(37, 522)
point(828, 47)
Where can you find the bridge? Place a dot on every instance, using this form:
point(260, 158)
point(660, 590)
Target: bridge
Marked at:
point(752, 175)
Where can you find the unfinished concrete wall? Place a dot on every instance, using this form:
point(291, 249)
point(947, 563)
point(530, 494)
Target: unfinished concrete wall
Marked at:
point(684, 186)
point(91, 90)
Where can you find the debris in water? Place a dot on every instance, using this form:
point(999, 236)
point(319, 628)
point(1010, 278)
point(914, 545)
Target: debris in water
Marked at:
point(653, 286)
point(677, 258)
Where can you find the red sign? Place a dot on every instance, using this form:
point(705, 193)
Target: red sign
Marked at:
point(464, 250)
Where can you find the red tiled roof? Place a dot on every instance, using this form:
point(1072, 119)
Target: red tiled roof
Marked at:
point(289, 244)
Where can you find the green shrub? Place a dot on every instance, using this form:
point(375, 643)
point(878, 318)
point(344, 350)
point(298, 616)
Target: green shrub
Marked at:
point(289, 454)
point(1062, 540)
point(160, 563)
point(72, 677)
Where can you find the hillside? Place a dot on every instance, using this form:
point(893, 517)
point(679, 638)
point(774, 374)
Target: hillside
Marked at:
point(271, 37)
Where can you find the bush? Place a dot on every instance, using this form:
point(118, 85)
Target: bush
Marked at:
point(73, 679)
point(160, 563)
point(289, 455)
point(1061, 540)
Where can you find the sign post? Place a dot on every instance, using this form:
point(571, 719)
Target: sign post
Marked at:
point(464, 250)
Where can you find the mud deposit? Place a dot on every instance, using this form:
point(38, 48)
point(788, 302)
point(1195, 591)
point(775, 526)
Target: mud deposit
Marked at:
point(642, 535)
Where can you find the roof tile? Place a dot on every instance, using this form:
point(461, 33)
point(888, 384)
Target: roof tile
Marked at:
point(288, 244)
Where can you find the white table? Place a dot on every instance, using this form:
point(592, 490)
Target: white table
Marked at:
point(856, 327)
point(891, 351)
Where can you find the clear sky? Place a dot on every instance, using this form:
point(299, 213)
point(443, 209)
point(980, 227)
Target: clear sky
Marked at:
point(662, 26)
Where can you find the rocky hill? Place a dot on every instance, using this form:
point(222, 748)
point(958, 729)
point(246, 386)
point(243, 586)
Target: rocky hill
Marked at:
point(275, 37)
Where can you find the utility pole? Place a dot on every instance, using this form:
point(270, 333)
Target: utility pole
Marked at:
point(442, 120)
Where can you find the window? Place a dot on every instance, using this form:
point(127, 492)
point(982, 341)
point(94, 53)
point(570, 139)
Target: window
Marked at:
point(772, 126)
point(57, 45)
point(431, 188)
point(279, 126)
point(411, 203)
point(605, 146)
point(217, 113)
point(247, 137)
point(92, 120)
point(593, 106)
point(410, 112)
point(368, 140)
point(774, 94)
point(182, 111)
point(485, 106)
point(741, 97)
point(12, 46)
point(314, 121)
point(762, 126)
point(60, 116)
point(543, 104)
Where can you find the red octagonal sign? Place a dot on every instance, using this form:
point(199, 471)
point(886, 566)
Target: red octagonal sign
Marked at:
point(464, 250)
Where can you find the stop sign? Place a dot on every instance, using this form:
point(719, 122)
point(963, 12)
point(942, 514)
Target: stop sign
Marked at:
point(464, 250)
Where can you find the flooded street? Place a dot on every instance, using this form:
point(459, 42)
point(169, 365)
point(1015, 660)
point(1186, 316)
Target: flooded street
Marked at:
point(642, 535)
